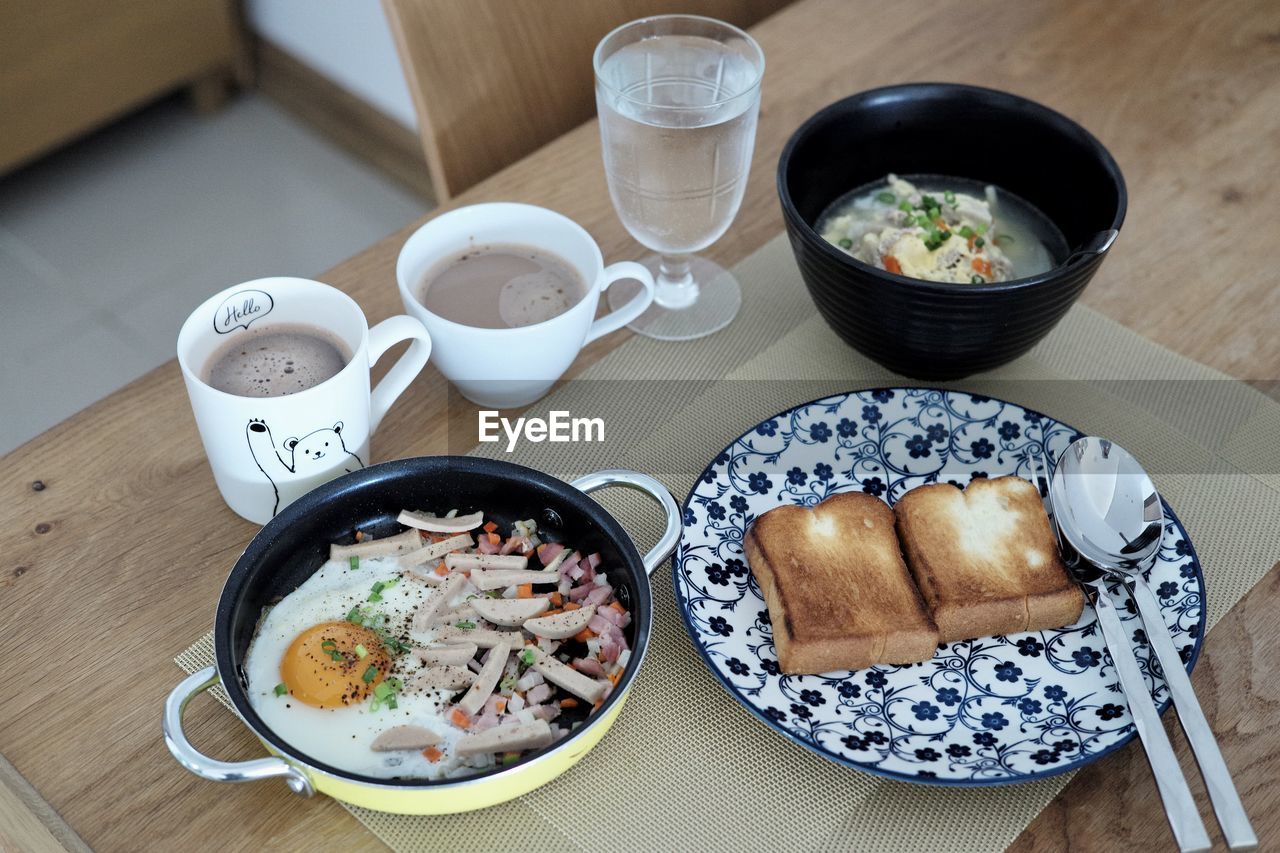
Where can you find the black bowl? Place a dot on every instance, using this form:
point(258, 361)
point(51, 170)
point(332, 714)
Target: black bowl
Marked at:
point(932, 330)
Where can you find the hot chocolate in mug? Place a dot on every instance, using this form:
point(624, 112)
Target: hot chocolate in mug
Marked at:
point(513, 366)
point(267, 451)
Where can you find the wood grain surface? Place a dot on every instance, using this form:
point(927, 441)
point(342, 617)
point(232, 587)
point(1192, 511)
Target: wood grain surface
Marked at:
point(115, 559)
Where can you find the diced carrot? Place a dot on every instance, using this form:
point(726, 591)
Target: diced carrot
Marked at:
point(494, 539)
point(572, 605)
point(891, 264)
point(971, 239)
point(432, 754)
point(541, 547)
point(442, 569)
point(359, 535)
point(615, 677)
point(501, 706)
point(551, 612)
point(941, 223)
point(982, 265)
point(490, 527)
point(556, 599)
point(617, 606)
point(569, 702)
point(524, 590)
point(459, 718)
point(584, 635)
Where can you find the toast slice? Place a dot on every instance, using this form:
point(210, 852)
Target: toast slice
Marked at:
point(985, 559)
point(838, 592)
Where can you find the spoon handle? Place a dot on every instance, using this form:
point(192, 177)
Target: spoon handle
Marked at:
point(1179, 806)
point(1236, 828)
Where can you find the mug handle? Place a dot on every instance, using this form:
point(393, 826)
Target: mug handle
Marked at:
point(382, 337)
point(615, 320)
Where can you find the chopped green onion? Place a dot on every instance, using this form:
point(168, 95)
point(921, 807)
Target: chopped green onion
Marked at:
point(355, 563)
point(354, 616)
point(905, 206)
point(281, 689)
point(387, 584)
point(977, 279)
point(944, 236)
point(465, 625)
point(966, 232)
point(361, 652)
point(982, 228)
point(494, 593)
point(382, 690)
point(949, 197)
point(507, 683)
point(391, 703)
point(934, 212)
point(370, 674)
point(328, 645)
point(845, 243)
point(928, 201)
point(886, 197)
point(526, 657)
point(922, 220)
point(980, 242)
point(510, 758)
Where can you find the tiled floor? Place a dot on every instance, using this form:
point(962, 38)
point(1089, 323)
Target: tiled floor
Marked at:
point(106, 246)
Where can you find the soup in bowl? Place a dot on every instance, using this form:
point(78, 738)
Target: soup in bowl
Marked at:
point(915, 291)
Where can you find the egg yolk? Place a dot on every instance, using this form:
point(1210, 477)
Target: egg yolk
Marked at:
point(324, 667)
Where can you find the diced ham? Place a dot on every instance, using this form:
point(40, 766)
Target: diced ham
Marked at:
point(576, 572)
point(600, 625)
point(579, 592)
point(600, 594)
point(484, 722)
point(514, 544)
point(540, 694)
point(484, 546)
point(594, 560)
point(565, 585)
point(590, 666)
point(515, 704)
point(545, 712)
point(549, 552)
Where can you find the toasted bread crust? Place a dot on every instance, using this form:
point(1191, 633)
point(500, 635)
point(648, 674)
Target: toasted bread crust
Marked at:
point(985, 559)
point(838, 592)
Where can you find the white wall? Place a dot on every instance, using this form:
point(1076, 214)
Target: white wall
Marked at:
point(347, 41)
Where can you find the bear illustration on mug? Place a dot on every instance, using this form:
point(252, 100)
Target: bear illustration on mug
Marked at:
point(297, 460)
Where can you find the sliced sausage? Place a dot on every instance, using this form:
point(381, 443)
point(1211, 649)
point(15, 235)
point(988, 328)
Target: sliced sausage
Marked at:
point(441, 678)
point(486, 680)
point(467, 562)
point(425, 616)
point(387, 545)
point(561, 626)
point(567, 677)
point(435, 551)
point(505, 739)
point(501, 578)
point(438, 524)
point(457, 654)
point(403, 738)
point(509, 612)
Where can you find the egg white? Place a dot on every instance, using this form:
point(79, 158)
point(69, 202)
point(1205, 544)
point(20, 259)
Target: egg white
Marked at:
point(342, 737)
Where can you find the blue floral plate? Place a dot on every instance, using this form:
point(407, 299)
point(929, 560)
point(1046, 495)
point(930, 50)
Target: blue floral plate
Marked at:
point(990, 711)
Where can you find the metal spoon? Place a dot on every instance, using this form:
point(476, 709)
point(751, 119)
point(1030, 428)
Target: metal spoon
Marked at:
point(1110, 512)
point(1095, 245)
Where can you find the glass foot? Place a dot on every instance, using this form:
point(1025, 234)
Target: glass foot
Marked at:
point(716, 304)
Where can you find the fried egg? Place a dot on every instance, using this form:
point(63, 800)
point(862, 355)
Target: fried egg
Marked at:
point(315, 665)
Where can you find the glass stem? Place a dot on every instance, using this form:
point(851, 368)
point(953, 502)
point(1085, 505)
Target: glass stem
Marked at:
point(675, 287)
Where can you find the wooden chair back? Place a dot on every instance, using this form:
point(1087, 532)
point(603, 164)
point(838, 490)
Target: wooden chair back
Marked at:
point(493, 80)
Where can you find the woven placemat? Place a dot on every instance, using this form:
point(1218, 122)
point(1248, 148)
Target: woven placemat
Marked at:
point(685, 767)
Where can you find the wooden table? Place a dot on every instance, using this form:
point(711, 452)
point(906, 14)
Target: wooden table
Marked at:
point(117, 542)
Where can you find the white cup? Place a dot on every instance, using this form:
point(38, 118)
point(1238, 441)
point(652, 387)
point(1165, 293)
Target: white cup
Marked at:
point(512, 367)
point(266, 452)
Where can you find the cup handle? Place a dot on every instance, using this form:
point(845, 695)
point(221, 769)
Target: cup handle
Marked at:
point(382, 337)
point(615, 320)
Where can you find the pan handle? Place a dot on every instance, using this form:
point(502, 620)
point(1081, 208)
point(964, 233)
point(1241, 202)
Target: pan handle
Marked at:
point(652, 488)
point(211, 768)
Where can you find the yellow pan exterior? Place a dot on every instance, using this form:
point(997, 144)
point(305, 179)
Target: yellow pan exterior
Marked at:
point(468, 794)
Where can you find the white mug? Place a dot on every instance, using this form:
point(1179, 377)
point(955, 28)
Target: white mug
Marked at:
point(266, 452)
point(512, 367)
